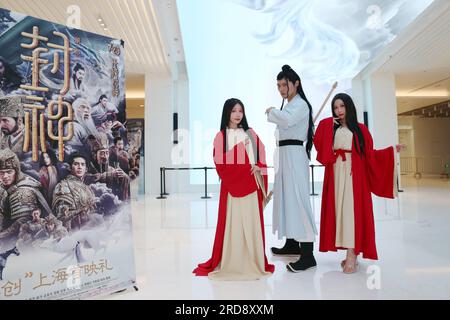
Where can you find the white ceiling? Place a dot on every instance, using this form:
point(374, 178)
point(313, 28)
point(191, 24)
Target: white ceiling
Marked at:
point(420, 59)
point(149, 28)
point(423, 88)
point(428, 50)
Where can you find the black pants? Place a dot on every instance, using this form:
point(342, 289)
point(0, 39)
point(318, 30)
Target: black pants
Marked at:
point(306, 249)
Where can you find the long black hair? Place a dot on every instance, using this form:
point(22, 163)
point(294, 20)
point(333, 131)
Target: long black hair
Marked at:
point(77, 67)
point(226, 114)
point(101, 97)
point(99, 100)
point(52, 157)
point(351, 119)
point(289, 74)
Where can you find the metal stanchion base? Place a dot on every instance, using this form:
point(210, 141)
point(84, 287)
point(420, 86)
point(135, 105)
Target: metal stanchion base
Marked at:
point(313, 194)
point(161, 197)
point(206, 197)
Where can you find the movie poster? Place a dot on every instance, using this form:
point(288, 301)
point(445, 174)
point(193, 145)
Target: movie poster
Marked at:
point(135, 130)
point(65, 162)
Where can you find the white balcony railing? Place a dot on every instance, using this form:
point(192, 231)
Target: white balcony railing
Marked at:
point(432, 165)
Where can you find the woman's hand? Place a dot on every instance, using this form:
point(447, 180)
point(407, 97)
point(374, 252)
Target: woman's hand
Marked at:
point(400, 147)
point(269, 109)
point(255, 169)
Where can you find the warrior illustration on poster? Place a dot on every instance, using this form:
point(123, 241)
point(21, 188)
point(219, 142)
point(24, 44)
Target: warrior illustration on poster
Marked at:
point(65, 162)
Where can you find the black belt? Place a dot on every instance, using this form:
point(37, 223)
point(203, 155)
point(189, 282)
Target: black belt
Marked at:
point(290, 142)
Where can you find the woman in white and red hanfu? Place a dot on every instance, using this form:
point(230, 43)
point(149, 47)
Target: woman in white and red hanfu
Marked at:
point(239, 244)
point(353, 171)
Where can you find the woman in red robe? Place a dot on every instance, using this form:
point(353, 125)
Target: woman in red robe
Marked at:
point(353, 170)
point(239, 244)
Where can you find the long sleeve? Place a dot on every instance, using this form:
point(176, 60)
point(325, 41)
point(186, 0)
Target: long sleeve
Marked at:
point(261, 158)
point(323, 140)
point(233, 168)
point(289, 116)
point(78, 134)
point(380, 167)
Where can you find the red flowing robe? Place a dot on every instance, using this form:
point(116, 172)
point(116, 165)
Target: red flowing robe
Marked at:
point(371, 173)
point(234, 170)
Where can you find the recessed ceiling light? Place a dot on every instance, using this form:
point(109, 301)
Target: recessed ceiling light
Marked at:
point(102, 23)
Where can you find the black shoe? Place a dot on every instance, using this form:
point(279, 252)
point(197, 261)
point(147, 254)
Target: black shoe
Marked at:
point(291, 248)
point(302, 264)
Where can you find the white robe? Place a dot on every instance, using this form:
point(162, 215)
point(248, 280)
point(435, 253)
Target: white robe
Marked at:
point(292, 214)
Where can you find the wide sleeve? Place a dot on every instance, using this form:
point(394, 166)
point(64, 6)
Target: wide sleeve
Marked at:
point(233, 169)
point(261, 158)
point(380, 167)
point(323, 140)
point(289, 116)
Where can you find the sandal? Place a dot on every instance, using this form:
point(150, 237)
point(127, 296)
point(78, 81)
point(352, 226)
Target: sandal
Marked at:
point(353, 268)
point(344, 261)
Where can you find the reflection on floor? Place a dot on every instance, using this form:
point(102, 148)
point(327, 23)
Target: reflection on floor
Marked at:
point(413, 240)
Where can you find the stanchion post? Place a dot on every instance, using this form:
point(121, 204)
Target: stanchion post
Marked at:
point(164, 182)
point(398, 187)
point(206, 184)
point(161, 195)
point(312, 180)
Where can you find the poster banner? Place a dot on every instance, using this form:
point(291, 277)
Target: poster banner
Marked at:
point(65, 162)
point(135, 130)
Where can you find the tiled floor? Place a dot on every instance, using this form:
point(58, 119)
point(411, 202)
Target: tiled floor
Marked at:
point(413, 240)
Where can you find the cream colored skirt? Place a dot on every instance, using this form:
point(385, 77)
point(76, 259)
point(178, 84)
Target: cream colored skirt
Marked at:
point(345, 214)
point(243, 250)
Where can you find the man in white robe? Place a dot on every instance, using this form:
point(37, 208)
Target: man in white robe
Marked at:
point(292, 214)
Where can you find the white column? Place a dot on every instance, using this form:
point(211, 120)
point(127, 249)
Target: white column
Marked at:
point(358, 98)
point(381, 103)
point(163, 97)
point(382, 110)
point(180, 152)
point(376, 95)
point(158, 129)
